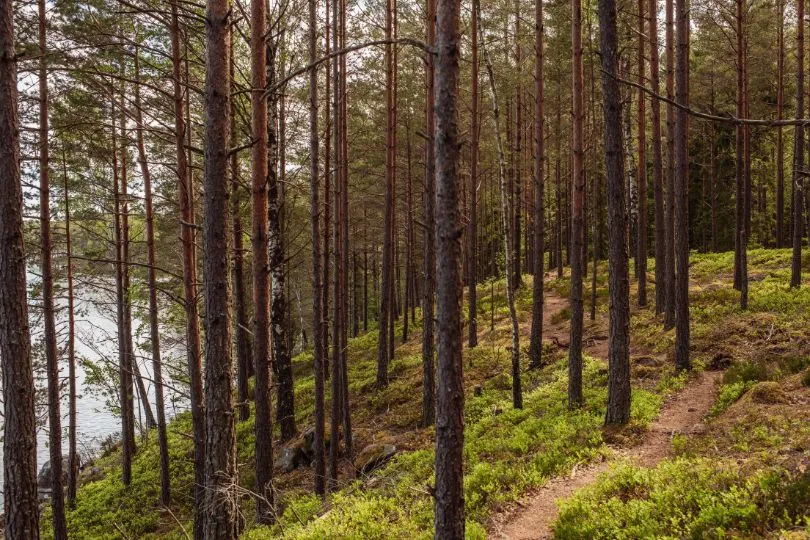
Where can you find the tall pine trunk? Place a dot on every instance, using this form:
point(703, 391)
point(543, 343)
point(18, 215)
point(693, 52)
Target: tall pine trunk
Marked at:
point(658, 173)
point(244, 354)
point(508, 236)
point(472, 228)
point(386, 288)
point(132, 365)
point(20, 496)
point(220, 444)
point(282, 361)
point(669, 226)
point(261, 264)
point(344, 165)
point(536, 346)
point(124, 365)
point(73, 455)
point(641, 175)
point(739, 199)
point(188, 239)
point(429, 259)
point(449, 494)
point(318, 323)
point(154, 327)
point(48, 315)
point(517, 157)
point(333, 149)
point(798, 152)
point(682, 339)
point(577, 212)
point(618, 407)
point(780, 105)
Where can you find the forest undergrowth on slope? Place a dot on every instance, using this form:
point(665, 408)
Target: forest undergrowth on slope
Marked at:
point(744, 475)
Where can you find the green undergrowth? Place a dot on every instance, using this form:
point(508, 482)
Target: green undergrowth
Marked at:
point(687, 498)
point(506, 452)
point(746, 474)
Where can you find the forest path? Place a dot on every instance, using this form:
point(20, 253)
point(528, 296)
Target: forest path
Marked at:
point(538, 511)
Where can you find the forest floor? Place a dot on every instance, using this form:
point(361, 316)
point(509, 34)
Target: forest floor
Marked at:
point(546, 470)
point(683, 414)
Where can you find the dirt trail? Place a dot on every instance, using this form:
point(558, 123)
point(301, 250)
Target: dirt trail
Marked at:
point(684, 413)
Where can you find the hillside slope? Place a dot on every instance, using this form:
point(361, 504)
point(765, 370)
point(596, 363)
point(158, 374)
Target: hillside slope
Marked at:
point(509, 453)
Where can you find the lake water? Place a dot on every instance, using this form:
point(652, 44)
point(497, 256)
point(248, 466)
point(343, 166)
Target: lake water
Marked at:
point(96, 340)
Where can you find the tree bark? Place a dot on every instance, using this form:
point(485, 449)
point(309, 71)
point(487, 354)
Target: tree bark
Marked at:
point(508, 236)
point(449, 495)
point(344, 164)
point(282, 361)
point(739, 200)
point(244, 354)
point(154, 327)
point(327, 190)
point(48, 316)
point(558, 177)
point(386, 297)
point(73, 456)
point(682, 339)
point(577, 212)
point(780, 104)
point(260, 126)
point(220, 454)
point(536, 346)
point(409, 299)
point(472, 232)
point(318, 323)
point(641, 175)
point(669, 273)
point(798, 153)
point(188, 239)
point(132, 365)
point(517, 281)
point(20, 496)
point(618, 407)
point(337, 232)
point(429, 241)
point(658, 173)
point(124, 364)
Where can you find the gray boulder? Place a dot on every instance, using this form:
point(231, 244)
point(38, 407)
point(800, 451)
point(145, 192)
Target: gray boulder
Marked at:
point(45, 476)
point(290, 458)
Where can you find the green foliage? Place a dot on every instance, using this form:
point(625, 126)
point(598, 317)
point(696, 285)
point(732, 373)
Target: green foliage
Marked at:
point(107, 503)
point(684, 498)
point(727, 395)
point(673, 381)
point(507, 451)
point(746, 372)
point(563, 315)
point(793, 364)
